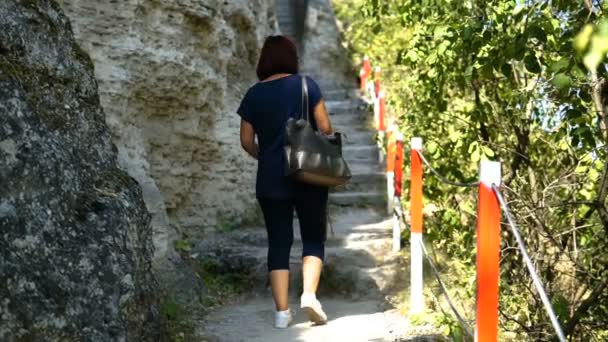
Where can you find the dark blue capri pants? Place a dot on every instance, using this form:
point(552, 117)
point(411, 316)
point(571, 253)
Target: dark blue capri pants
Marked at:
point(310, 203)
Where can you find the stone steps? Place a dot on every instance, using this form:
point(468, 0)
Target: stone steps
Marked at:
point(344, 105)
point(355, 121)
point(361, 153)
point(362, 198)
point(284, 11)
point(355, 138)
point(340, 93)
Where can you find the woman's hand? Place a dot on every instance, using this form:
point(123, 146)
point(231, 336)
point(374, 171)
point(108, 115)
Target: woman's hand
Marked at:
point(248, 139)
point(322, 118)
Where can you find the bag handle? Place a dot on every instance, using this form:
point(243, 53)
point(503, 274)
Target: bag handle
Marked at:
point(304, 98)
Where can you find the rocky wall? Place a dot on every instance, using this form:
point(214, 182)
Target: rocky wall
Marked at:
point(75, 237)
point(171, 75)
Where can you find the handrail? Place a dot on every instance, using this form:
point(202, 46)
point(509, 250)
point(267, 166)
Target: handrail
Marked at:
point(531, 269)
point(488, 225)
point(443, 178)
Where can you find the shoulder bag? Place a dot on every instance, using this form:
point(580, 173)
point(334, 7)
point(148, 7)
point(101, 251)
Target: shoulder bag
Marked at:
point(313, 157)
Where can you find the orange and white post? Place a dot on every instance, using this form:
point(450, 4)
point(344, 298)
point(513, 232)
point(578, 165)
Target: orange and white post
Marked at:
point(391, 146)
point(364, 74)
point(416, 267)
point(381, 112)
point(377, 71)
point(488, 253)
point(397, 186)
point(376, 95)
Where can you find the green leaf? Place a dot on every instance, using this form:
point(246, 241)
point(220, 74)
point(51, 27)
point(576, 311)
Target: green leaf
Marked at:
point(518, 9)
point(488, 152)
point(412, 56)
point(443, 47)
point(432, 147)
point(560, 65)
point(562, 81)
point(583, 38)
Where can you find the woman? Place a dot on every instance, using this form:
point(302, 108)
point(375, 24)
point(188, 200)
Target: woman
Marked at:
point(264, 112)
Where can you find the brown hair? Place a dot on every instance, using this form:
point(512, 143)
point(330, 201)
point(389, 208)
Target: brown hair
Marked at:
point(279, 55)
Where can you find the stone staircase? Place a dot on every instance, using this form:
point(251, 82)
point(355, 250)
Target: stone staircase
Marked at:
point(285, 17)
point(349, 115)
point(359, 270)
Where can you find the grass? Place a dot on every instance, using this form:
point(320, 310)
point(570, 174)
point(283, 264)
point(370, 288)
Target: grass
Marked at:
point(176, 321)
point(222, 282)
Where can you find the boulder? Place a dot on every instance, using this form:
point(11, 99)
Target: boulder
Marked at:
point(75, 237)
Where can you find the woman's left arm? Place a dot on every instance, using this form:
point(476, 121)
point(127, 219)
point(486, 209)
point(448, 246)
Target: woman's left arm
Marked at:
point(248, 139)
point(322, 118)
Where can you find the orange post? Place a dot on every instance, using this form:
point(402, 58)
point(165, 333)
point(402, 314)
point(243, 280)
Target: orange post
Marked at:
point(391, 146)
point(397, 199)
point(381, 111)
point(416, 266)
point(377, 81)
point(365, 73)
point(416, 186)
point(488, 254)
point(398, 166)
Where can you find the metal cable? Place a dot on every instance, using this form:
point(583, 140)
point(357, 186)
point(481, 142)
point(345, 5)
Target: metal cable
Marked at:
point(442, 286)
point(464, 324)
point(442, 178)
point(530, 266)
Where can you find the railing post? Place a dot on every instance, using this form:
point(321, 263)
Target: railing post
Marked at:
point(381, 111)
point(364, 74)
point(377, 71)
point(390, 167)
point(416, 270)
point(488, 253)
point(397, 194)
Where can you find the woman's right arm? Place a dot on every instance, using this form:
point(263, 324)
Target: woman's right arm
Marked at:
point(322, 118)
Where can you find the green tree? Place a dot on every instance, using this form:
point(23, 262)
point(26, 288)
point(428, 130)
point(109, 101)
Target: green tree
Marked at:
point(522, 82)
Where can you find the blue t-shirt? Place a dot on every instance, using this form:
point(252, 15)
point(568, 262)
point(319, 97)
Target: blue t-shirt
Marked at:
point(267, 106)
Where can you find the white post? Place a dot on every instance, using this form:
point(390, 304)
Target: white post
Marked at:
point(416, 271)
point(390, 191)
point(376, 111)
point(416, 291)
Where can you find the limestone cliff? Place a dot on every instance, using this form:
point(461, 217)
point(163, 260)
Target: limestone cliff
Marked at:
point(75, 239)
point(171, 75)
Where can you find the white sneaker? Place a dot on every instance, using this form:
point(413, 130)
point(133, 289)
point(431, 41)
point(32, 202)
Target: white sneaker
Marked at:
point(282, 319)
point(313, 309)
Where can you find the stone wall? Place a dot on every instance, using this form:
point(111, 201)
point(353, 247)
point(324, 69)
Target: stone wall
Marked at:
point(324, 55)
point(171, 75)
point(75, 238)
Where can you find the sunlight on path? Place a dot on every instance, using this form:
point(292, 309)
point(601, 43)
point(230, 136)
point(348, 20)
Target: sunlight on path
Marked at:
point(349, 321)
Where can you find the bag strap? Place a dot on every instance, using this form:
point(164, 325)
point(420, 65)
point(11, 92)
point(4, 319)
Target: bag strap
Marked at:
point(304, 98)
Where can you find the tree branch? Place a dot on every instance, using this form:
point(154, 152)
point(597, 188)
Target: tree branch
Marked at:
point(585, 305)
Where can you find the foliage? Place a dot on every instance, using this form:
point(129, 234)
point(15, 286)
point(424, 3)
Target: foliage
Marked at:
point(522, 82)
point(182, 246)
point(222, 282)
point(176, 326)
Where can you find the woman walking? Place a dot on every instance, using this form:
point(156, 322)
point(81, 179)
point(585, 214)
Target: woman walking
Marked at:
point(264, 112)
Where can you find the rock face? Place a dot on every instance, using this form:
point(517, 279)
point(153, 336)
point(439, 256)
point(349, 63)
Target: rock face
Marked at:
point(171, 77)
point(324, 53)
point(75, 239)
